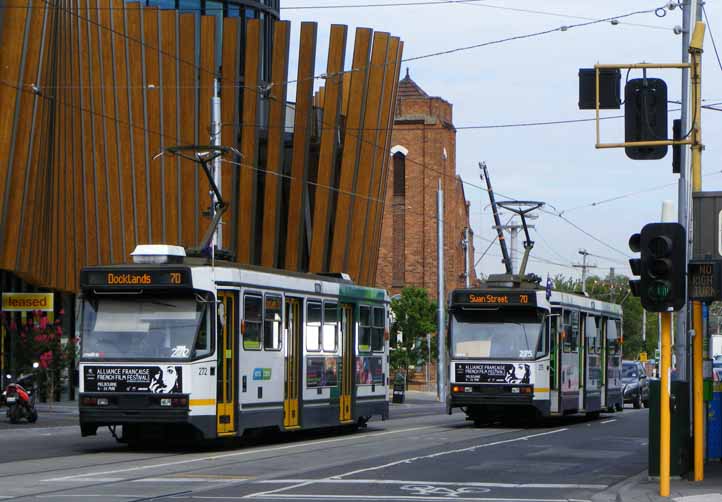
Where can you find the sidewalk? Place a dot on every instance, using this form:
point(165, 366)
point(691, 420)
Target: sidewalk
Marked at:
point(641, 489)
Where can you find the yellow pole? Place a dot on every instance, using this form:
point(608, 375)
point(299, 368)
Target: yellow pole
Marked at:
point(664, 387)
point(698, 395)
point(695, 50)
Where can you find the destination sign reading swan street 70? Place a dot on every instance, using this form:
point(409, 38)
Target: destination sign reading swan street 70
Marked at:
point(135, 278)
point(494, 298)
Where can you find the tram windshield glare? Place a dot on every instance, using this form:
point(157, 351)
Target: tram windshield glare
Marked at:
point(497, 334)
point(151, 328)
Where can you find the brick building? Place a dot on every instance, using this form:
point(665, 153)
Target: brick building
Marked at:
point(423, 152)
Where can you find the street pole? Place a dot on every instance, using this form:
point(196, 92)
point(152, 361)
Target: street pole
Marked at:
point(441, 368)
point(584, 268)
point(217, 242)
point(467, 274)
point(644, 325)
point(664, 411)
point(695, 51)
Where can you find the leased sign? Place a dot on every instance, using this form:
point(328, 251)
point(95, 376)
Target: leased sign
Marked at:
point(25, 302)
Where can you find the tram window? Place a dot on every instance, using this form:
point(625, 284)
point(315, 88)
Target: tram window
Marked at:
point(272, 323)
point(377, 332)
point(543, 343)
point(313, 326)
point(203, 340)
point(330, 326)
point(364, 334)
point(252, 317)
point(568, 346)
point(590, 330)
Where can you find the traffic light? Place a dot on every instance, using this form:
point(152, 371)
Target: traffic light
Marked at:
point(663, 268)
point(645, 117)
point(635, 264)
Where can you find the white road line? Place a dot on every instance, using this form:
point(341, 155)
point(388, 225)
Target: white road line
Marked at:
point(241, 453)
point(284, 496)
point(403, 461)
point(608, 421)
point(435, 483)
point(448, 452)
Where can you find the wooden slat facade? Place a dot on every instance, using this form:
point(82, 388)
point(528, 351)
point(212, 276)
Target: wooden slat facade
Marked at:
point(93, 90)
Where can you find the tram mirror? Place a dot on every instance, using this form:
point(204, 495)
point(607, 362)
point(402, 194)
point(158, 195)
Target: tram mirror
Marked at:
point(222, 314)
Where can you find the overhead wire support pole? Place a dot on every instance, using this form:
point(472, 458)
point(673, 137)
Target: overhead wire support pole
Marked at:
point(695, 51)
point(497, 222)
point(441, 369)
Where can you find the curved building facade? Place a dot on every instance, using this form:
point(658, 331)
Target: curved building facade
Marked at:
point(92, 92)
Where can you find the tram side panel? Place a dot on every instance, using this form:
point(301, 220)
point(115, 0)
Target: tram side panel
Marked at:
point(570, 362)
point(260, 385)
point(615, 398)
point(371, 362)
point(592, 366)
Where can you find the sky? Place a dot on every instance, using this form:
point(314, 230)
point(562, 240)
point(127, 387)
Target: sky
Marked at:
point(535, 80)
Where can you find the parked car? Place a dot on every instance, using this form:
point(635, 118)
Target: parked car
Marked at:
point(636, 384)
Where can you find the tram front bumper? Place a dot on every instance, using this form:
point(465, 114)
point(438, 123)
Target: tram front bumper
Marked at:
point(470, 395)
point(100, 409)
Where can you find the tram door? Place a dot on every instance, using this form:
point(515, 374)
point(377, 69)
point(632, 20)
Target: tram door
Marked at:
point(226, 343)
point(294, 351)
point(347, 362)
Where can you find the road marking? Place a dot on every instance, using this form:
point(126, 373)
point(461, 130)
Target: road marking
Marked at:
point(240, 453)
point(448, 452)
point(608, 421)
point(439, 483)
point(285, 496)
point(170, 479)
point(403, 461)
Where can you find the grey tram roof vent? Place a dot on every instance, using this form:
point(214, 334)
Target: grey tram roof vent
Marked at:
point(158, 254)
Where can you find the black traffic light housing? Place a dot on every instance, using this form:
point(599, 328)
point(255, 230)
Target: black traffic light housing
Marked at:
point(645, 117)
point(663, 266)
point(635, 264)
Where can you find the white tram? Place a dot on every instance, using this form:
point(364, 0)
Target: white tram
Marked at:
point(524, 352)
point(178, 348)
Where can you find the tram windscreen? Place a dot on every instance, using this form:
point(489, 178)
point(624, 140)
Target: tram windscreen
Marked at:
point(497, 334)
point(143, 328)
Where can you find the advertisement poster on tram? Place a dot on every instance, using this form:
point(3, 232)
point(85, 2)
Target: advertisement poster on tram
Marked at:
point(369, 370)
point(155, 379)
point(518, 373)
point(321, 372)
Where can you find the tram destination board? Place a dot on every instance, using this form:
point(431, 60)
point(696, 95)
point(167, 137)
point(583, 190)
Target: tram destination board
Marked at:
point(704, 281)
point(494, 298)
point(136, 278)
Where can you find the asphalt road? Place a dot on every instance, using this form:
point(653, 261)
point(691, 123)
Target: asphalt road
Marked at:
point(427, 456)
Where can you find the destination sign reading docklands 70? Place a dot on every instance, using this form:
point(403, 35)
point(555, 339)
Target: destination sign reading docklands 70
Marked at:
point(121, 277)
point(493, 298)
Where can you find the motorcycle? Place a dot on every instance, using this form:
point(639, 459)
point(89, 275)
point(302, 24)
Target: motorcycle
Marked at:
point(21, 403)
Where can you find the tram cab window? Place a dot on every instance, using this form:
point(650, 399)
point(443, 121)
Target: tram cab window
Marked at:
point(364, 332)
point(330, 327)
point(543, 342)
point(313, 326)
point(377, 332)
point(252, 317)
point(203, 340)
point(272, 323)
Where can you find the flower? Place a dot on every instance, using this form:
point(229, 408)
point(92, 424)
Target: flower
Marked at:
point(46, 358)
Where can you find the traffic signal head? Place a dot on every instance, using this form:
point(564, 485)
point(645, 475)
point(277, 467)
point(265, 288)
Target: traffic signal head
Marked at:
point(645, 117)
point(663, 266)
point(635, 264)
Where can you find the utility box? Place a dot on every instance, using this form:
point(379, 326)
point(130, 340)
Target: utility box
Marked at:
point(679, 461)
point(707, 211)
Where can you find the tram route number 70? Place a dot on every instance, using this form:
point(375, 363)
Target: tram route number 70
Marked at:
point(175, 277)
point(523, 298)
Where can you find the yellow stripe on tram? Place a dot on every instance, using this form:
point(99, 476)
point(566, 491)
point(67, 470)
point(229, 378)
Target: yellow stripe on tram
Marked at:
point(541, 389)
point(203, 402)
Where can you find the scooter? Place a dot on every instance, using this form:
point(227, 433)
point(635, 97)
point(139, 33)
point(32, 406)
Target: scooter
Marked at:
point(21, 403)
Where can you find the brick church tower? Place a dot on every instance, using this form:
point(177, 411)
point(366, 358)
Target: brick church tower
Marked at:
point(423, 152)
